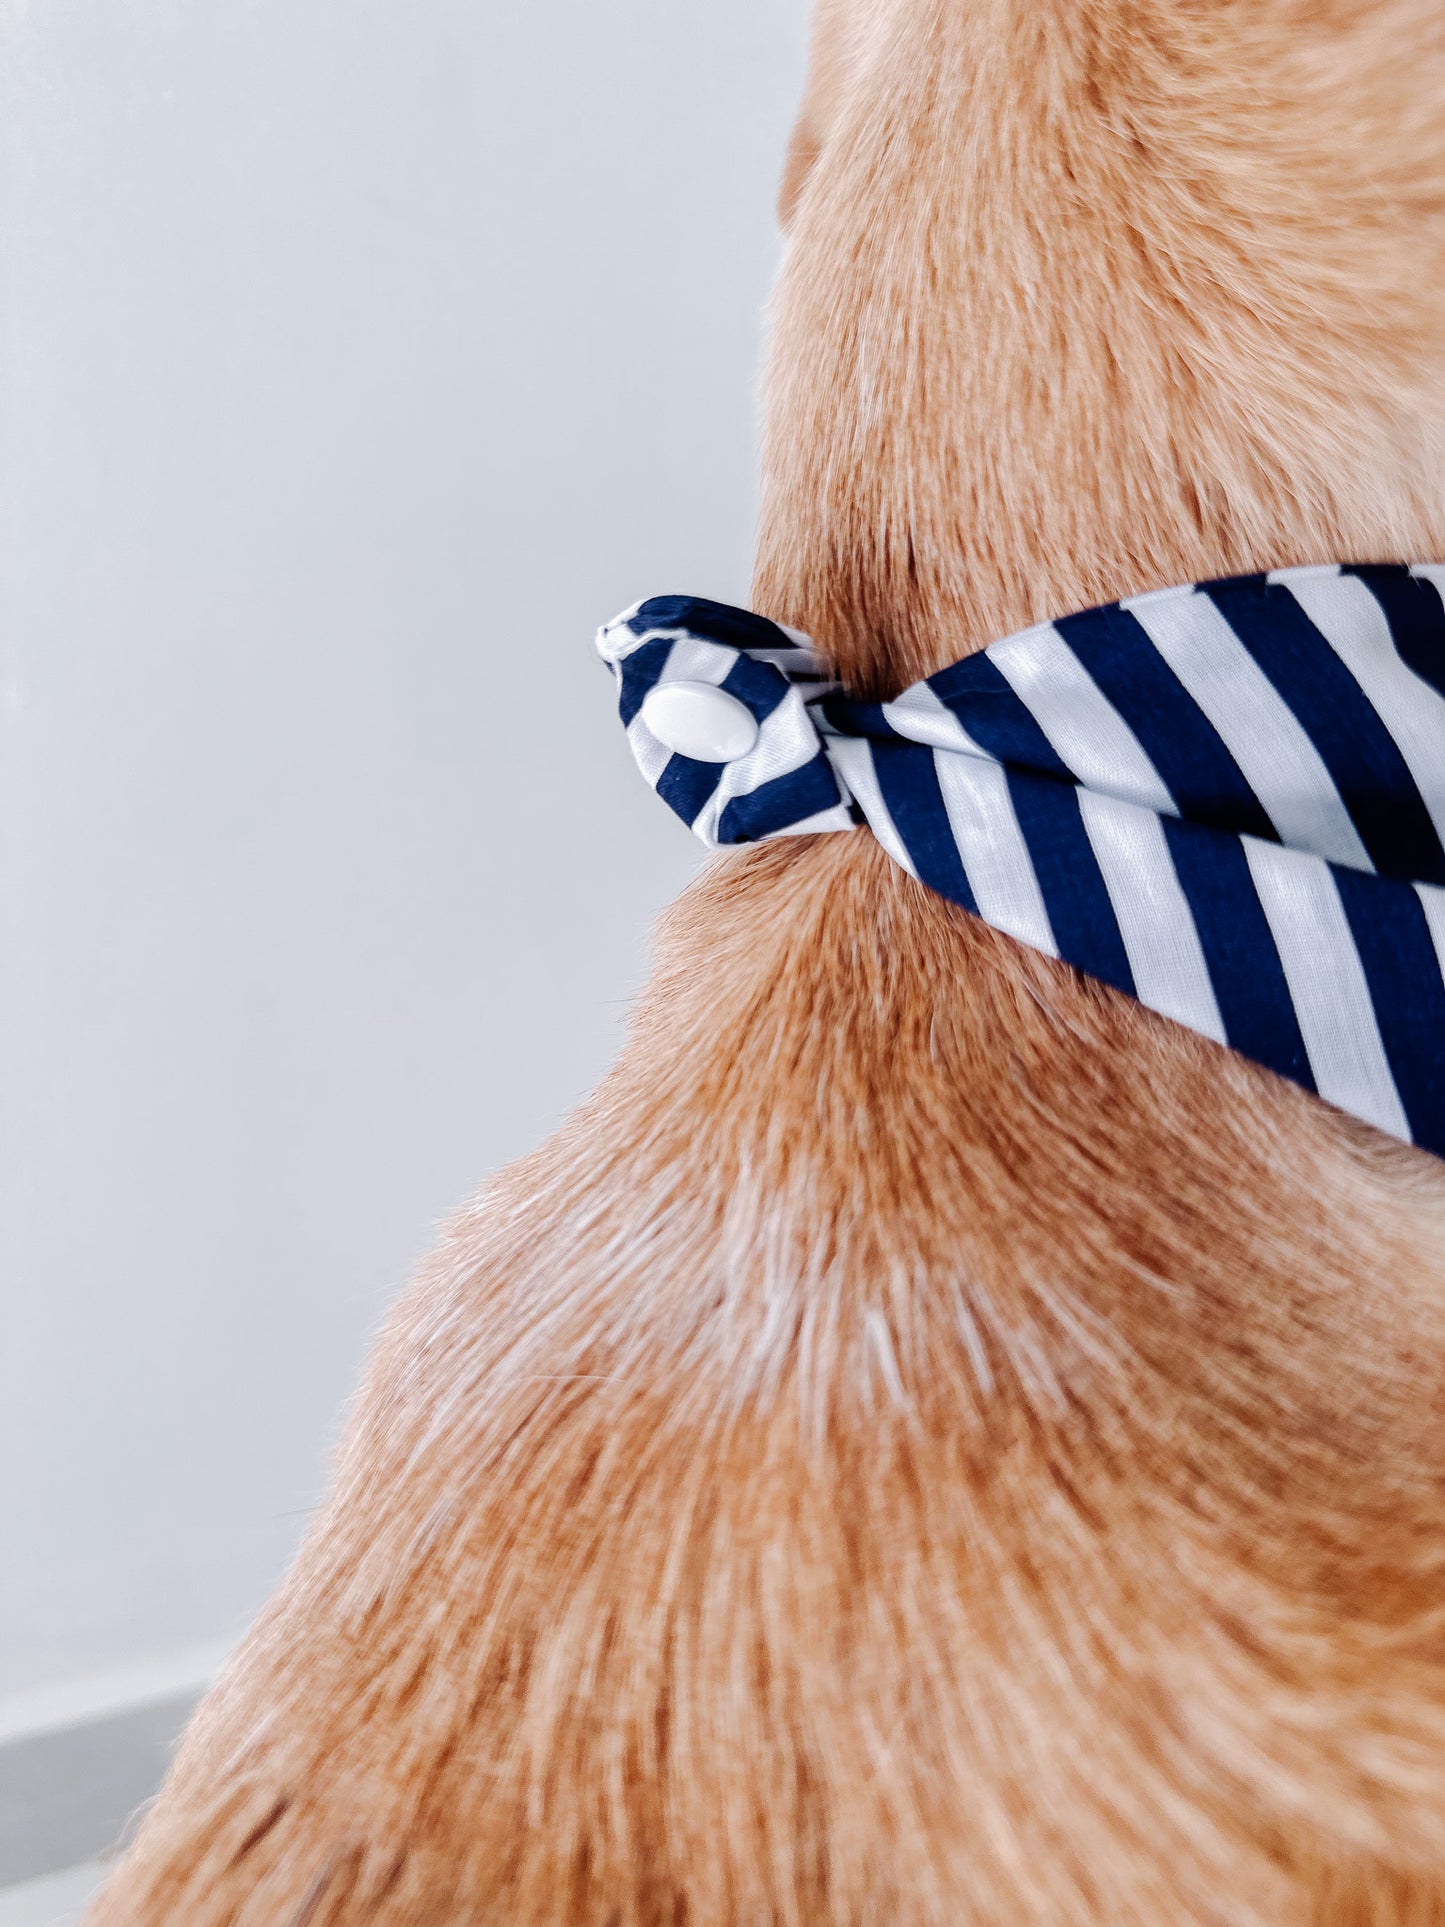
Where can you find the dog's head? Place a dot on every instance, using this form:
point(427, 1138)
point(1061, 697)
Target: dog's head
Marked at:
point(1085, 296)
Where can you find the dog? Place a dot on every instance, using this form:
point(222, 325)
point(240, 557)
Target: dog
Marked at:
point(930, 1440)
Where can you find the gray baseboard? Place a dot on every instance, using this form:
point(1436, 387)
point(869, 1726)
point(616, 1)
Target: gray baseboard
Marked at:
point(71, 1794)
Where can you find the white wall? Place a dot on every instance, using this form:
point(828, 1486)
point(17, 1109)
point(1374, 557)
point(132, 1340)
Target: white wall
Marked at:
point(356, 358)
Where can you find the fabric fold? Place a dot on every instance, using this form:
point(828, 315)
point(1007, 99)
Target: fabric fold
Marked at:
point(1225, 799)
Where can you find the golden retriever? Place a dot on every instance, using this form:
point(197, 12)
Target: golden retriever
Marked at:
point(931, 1441)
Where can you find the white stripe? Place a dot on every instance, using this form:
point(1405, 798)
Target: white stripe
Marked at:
point(1160, 940)
point(614, 639)
point(741, 779)
point(786, 738)
point(921, 715)
point(1431, 572)
point(616, 642)
point(852, 758)
point(1353, 623)
point(1305, 572)
point(786, 742)
point(790, 659)
point(992, 848)
point(1327, 986)
point(690, 659)
point(1432, 900)
point(652, 756)
point(1258, 727)
point(1083, 726)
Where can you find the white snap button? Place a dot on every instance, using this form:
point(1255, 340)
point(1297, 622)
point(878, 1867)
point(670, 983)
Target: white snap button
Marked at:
point(699, 720)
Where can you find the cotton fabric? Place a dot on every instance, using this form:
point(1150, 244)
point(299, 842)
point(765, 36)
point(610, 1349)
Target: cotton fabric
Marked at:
point(1225, 799)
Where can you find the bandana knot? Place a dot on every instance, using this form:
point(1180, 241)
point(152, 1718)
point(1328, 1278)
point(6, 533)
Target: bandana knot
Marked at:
point(1227, 800)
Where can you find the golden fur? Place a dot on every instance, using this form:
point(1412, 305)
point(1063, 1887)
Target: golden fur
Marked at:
point(930, 1442)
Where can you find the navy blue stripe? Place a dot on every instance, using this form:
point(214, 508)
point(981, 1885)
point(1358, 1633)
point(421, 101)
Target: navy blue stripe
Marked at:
point(1388, 925)
point(997, 720)
point(686, 786)
point(850, 718)
point(712, 621)
point(757, 685)
point(779, 804)
point(640, 671)
point(909, 783)
point(1179, 739)
point(1361, 755)
point(1073, 888)
point(1416, 616)
point(1249, 981)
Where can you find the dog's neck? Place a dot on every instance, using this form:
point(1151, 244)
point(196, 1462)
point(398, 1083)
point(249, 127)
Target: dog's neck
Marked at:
point(1085, 301)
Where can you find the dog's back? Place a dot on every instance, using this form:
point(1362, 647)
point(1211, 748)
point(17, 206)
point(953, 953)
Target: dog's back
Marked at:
point(931, 1441)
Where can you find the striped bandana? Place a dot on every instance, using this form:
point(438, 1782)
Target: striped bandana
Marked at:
point(1227, 800)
